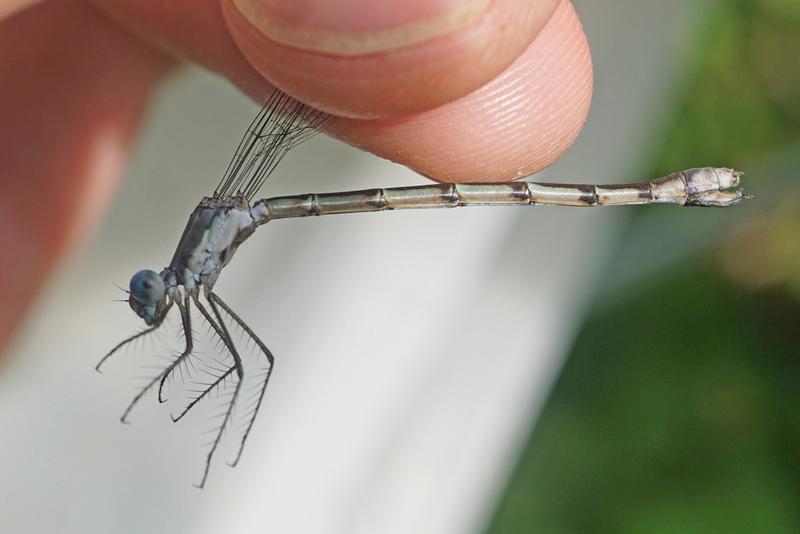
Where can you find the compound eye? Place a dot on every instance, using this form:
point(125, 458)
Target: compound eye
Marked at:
point(147, 287)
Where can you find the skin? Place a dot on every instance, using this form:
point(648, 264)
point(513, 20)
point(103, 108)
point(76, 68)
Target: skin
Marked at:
point(493, 92)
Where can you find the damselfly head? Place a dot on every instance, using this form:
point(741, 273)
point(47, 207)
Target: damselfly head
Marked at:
point(147, 295)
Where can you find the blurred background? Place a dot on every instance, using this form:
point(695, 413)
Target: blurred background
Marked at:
point(676, 409)
point(483, 370)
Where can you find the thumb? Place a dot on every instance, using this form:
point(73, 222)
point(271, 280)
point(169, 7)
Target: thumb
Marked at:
point(373, 59)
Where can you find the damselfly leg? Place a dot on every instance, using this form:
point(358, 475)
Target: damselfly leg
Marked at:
point(129, 340)
point(186, 324)
point(263, 379)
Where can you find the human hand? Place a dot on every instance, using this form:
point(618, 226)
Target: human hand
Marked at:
point(490, 90)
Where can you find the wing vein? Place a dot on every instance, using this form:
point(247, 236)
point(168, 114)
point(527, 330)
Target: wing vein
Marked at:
point(281, 124)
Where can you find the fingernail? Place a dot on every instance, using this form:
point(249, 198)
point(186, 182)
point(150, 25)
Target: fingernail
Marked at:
point(358, 27)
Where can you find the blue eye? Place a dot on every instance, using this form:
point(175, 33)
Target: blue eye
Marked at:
point(147, 287)
point(147, 290)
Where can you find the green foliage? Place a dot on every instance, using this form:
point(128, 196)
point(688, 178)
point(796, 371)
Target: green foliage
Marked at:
point(743, 98)
point(675, 413)
point(677, 409)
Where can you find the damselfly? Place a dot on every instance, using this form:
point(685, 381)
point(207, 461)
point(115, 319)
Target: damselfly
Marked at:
point(222, 221)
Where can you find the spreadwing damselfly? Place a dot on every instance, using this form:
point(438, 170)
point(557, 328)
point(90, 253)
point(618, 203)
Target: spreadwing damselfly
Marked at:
point(224, 220)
